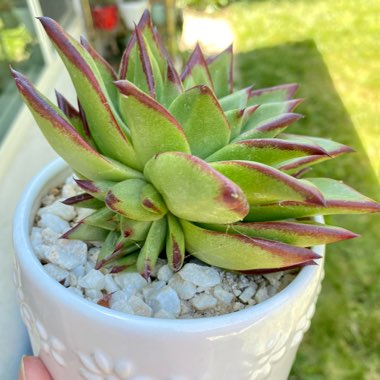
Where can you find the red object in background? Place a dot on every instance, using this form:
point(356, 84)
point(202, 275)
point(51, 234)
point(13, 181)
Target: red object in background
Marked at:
point(105, 17)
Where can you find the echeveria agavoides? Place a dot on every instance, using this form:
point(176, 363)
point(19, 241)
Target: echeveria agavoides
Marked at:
point(182, 164)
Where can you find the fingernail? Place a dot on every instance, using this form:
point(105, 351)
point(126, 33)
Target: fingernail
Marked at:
point(22, 369)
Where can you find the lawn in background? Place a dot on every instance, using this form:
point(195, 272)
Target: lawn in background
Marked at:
point(331, 48)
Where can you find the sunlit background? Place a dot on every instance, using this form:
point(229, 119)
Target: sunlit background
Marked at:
point(331, 48)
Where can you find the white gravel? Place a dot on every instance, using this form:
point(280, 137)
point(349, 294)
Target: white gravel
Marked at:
point(195, 291)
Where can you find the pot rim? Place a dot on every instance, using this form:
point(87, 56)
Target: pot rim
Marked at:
point(25, 254)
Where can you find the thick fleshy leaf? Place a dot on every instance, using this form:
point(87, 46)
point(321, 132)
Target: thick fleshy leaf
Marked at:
point(266, 151)
point(205, 125)
point(332, 148)
point(85, 232)
point(175, 243)
point(305, 234)
point(106, 71)
point(84, 200)
point(273, 94)
point(237, 252)
point(235, 120)
point(153, 245)
point(65, 140)
point(263, 184)
point(107, 248)
point(129, 59)
point(270, 128)
point(153, 128)
point(98, 189)
point(195, 191)
point(134, 229)
point(72, 114)
point(269, 111)
point(125, 198)
point(236, 100)
point(340, 199)
point(107, 129)
point(196, 71)
point(221, 71)
point(103, 218)
point(151, 200)
point(124, 264)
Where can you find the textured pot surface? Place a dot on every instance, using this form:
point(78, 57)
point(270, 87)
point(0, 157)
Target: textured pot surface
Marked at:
point(80, 340)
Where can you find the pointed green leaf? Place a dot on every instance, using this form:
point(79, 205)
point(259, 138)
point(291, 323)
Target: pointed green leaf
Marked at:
point(221, 71)
point(263, 184)
point(332, 148)
point(98, 189)
point(268, 111)
point(235, 120)
point(266, 151)
point(106, 127)
point(153, 128)
point(129, 59)
point(125, 199)
point(340, 199)
point(175, 244)
point(202, 119)
point(65, 140)
point(270, 128)
point(103, 218)
point(306, 234)
point(107, 248)
point(196, 71)
point(85, 232)
point(84, 200)
point(151, 200)
point(195, 191)
point(134, 229)
point(106, 71)
point(236, 100)
point(153, 245)
point(273, 94)
point(124, 264)
point(237, 252)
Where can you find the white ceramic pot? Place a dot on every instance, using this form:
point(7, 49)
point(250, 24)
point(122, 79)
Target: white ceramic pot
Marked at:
point(77, 339)
point(131, 11)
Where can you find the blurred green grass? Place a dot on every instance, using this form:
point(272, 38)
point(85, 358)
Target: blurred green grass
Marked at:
point(331, 49)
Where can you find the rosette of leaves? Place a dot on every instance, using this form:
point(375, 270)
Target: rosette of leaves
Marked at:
point(182, 165)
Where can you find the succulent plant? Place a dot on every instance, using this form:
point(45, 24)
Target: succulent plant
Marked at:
point(183, 164)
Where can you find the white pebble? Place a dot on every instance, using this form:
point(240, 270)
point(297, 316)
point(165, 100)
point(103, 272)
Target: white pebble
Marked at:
point(109, 284)
point(69, 190)
point(56, 272)
point(262, 294)
point(54, 222)
point(151, 289)
point(238, 306)
point(131, 283)
point(121, 306)
point(67, 254)
point(92, 280)
point(184, 289)
point(164, 273)
point(203, 276)
point(38, 246)
point(59, 209)
point(204, 302)
point(160, 263)
point(163, 314)
point(165, 299)
point(248, 293)
point(223, 296)
point(118, 296)
point(139, 307)
point(93, 294)
point(49, 237)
